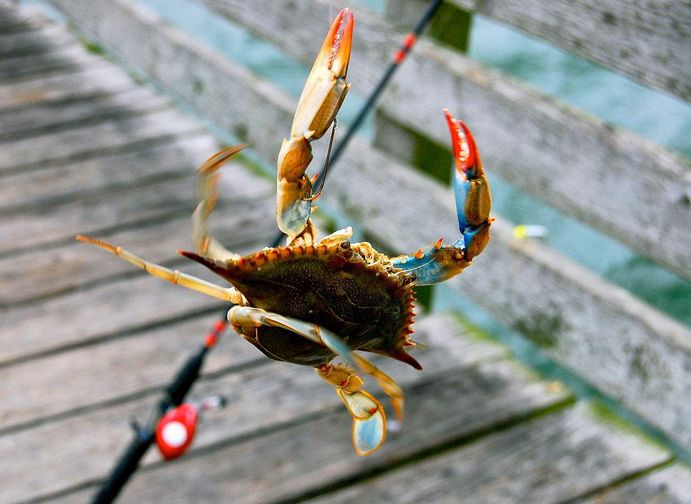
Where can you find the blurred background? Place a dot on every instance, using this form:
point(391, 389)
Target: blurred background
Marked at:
point(587, 290)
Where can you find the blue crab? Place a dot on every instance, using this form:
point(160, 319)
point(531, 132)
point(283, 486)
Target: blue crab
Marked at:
point(315, 299)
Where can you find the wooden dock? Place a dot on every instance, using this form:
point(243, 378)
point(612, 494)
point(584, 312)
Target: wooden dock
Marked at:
point(87, 342)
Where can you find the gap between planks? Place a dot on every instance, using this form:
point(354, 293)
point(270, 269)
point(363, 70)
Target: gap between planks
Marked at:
point(20, 68)
point(64, 87)
point(75, 144)
point(82, 112)
point(548, 459)
point(31, 190)
point(670, 484)
point(94, 310)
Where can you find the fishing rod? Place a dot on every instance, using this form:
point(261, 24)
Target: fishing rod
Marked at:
point(172, 415)
point(155, 429)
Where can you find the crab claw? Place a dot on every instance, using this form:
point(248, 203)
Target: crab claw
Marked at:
point(321, 98)
point(369, 420)
point(471, 188)
point(436, 262)
point(326, 85)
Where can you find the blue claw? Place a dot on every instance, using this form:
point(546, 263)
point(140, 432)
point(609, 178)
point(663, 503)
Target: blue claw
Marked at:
point(436, 263)
point(471, 188)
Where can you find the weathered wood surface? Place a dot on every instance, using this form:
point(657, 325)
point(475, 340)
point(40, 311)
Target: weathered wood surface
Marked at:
point(73, 85)
point(311, 452)
point(620, 344)
point(19, 68)
point(93, 344)
point(264, 396)
point(669, 485)
point(606, 177)
point(68, 265)
point(647, 40)
point(89, 111)
point(67, 145)
point(152, 46)
point(524, 464)
point(164, 160)
point(34, 42)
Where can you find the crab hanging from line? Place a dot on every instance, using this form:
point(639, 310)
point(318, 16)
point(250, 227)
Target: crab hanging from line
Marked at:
point(316, 299)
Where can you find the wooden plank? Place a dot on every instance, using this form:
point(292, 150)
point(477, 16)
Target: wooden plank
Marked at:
point(552, 459)
point(95, 214)
point(608, 178)
point(643, 357)
point(63, 183)
point(152, 45)
point(60, 184)
point(35, 42)
point(647, 40)
point(306, 457)
point(97, 312)
point(39, 274)
point(97, 308)
point(261, 398)
point(333, 456)
point(48, 117)
point(60, 59)
point(64, 87)
point(670, 485)
point(69, 145)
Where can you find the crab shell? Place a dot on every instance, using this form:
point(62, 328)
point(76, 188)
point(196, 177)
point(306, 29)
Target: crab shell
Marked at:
point(349, 289)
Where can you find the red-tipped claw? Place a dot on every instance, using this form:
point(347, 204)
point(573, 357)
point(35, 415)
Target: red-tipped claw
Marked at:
point(437, 262)
point(326, 87)
point(465, 153)
point(337, 44)
point(473, 199)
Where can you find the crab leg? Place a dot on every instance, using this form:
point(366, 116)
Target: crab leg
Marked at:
point(319, 103)
point(337, 236)
point(436, 262)
point(174, 276)
point(369, 419)
point(207, 180)
point(248, 316)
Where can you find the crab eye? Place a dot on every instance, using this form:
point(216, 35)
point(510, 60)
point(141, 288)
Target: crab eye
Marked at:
point(345, 245)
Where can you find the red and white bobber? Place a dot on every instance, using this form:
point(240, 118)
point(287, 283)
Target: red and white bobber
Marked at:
point(175, 431)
